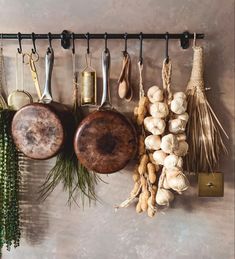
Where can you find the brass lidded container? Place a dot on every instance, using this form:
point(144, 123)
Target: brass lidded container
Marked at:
point(88, 84)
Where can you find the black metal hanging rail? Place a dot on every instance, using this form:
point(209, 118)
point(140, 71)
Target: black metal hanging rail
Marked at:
point(66, 36)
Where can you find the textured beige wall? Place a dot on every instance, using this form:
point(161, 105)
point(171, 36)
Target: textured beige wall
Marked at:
point(193, 227)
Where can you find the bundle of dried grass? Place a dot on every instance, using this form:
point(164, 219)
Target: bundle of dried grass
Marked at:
point(204, 131)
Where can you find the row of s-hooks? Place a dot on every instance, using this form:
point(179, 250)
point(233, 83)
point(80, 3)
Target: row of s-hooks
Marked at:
point(66, 38)
point(125, 46)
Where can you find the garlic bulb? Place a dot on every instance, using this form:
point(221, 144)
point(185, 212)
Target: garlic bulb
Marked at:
point(172, 161)
point(169, 143)
point(164, 197)
point(182, 149)
point(177, 126)
point(178, 105)
point(159, 157)
point(154, 125)
point(155, 94)
point(157, 166)
point(152, 142)
point(165, 184)
point(173, 172)
point(148, 120)
point(178, 183)
point(179, 95)
point(183, 116)
point(158, 110)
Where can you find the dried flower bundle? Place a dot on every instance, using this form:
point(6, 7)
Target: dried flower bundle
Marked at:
point(204, 129)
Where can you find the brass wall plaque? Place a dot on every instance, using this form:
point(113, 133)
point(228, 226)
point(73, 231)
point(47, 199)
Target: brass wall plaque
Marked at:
point(211, 184)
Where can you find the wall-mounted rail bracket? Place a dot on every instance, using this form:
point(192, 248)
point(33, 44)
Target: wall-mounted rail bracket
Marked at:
point(184, 40)
point(65, 39)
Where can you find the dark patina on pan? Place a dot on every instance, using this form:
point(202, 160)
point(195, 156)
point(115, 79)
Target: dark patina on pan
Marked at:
point(40, 130)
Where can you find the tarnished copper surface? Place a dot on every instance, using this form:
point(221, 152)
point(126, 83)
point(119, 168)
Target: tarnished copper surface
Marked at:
point(38, 130)
point(105, 141)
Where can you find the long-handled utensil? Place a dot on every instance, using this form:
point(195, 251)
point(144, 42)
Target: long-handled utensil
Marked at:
point(32, 59)
point(19, 97)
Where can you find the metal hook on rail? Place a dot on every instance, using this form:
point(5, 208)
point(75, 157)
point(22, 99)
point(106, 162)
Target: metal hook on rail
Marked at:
point(141, 48)
point(34, 50)
point(167, 44)
point(125, 48)
point(105, 41)
point(20, 46)
point(88, 43)
point(73, 42)
point(49, 39)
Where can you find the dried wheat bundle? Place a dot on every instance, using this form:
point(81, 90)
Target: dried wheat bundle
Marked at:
point(204, 131)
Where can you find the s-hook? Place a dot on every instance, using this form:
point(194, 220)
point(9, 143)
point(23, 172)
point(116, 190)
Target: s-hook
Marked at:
point(73, 42)
point(49, 39)
point(88, 43)
point(34, 51)
point(141, 48)
point(1, 43)
point(19, 39)
point(74, 59)
point(125, 48)
point(167, 41)
point(105, 41)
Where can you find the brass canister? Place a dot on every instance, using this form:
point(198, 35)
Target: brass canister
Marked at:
point(88, 84)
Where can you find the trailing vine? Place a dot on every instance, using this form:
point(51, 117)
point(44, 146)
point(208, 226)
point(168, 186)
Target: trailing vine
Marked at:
point(9, 184)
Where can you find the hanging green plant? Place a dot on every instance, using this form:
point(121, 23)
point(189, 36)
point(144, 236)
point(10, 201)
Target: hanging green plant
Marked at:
point(75, 178)
point(9, 184)
point(9, 174)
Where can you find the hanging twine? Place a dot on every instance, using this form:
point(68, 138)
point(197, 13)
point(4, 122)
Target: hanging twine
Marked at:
point(196, 82)
point(166, 79)
point(141, 87)
point(75, 81)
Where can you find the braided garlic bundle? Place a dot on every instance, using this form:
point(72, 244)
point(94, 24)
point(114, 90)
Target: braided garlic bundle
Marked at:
point(167, 140)
point(161, 118)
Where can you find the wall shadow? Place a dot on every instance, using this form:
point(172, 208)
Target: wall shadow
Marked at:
point(34, 213)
